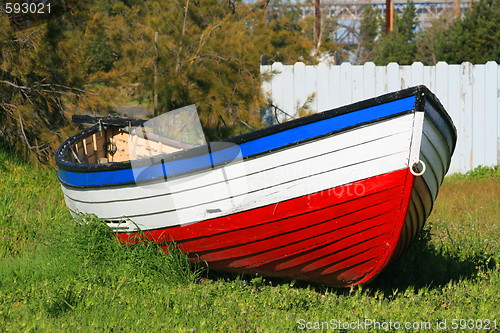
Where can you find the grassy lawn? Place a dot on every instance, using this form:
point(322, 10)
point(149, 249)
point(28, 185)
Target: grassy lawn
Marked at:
point(57, 275)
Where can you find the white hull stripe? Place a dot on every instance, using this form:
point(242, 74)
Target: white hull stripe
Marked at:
point(258, 146)
point(257, 182)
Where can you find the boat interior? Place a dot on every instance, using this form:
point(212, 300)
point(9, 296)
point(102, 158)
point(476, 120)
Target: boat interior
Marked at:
point(114, 144)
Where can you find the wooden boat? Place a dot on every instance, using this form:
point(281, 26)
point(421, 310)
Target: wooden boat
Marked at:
point(329, 198)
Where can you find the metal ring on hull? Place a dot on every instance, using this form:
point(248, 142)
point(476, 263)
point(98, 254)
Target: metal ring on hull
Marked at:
point(414, 171)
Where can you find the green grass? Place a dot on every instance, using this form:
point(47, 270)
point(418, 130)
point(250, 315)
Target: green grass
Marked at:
point(60, 275)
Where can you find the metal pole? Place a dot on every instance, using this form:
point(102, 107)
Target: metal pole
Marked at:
point(457, 8)
point(155, 77)
point(389, 16)
point(317, 36)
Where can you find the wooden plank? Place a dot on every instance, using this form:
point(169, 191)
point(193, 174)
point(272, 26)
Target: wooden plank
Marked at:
point(85, 153)
point(428, 77)
point(323, 87)
point(85, 146)
point(465, 129)
point(94, 141)
point(277, 87)
point(492, 109)
point(100, 145)
point(336, 91)
point(299, 87)
point(75, 149)
point(345, 83)
point(115, 121)
point(267, 79)
point(406, 77)
point(80, 153)
point(120, 138)
point(417, 74)
point(369, 80)
point(432, 84)
point(454, 110)
point(287, 89)
point(478, 119)
point(91, 153)
point(381, 80)
point(393, 77)
point(142, 147)
point(441, 90)
point(357, 79)
point(311, 87)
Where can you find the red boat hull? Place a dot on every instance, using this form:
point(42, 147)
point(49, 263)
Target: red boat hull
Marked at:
point(340, 237)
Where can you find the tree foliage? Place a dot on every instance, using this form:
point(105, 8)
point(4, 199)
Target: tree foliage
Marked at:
point(33, 90)
point(207, 52)
point(368, 33)
point(430, 42)
point(474, 38)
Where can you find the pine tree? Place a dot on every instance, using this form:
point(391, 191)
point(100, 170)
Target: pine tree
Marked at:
point(32, 91)
point(475, 38)
point(368, 33)
point(208, 53)
point(430, 42)
point(44, 72)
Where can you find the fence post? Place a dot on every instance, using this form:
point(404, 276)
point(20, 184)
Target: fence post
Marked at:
point(492, 108)
point(465, 125)
point(369, 80)
point(417, 74)
point(393, 77)
point(345, 83)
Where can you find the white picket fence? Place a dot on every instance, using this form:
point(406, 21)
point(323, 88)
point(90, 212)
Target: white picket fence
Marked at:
point(470, 93)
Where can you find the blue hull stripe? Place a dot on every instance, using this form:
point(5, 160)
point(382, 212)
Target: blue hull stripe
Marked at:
point(260, 145)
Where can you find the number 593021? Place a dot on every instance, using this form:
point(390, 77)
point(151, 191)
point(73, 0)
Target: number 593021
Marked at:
point(27, 8)
point(473, 324)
